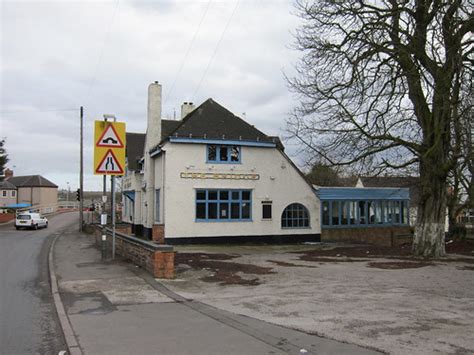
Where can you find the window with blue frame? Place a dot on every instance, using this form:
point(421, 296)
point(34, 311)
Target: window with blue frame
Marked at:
point(223, 205)
point(295, 216)
point(224, 154)
point(364, 212)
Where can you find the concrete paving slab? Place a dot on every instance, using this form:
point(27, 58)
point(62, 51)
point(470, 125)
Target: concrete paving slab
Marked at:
point(170, 328)
point(97, 300)
point(124, 290)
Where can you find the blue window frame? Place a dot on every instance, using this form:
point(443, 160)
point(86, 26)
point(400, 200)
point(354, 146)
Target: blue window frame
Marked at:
point(223, 205)
point(295, 216)
point(223, 154)
point(363, 213)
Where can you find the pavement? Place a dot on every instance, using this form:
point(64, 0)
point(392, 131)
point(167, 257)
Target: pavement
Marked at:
point(114, 307)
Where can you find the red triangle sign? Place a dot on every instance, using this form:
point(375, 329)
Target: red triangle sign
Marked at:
point(109, 165)
point(109, 138)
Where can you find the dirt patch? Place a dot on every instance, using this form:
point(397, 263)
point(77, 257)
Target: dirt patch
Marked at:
point(183, 257)
point(396, 265)
point(457, 260)
point(285, 264)
point(223, 272)
point(463, 247)
point(365, 251)
point(466, 268)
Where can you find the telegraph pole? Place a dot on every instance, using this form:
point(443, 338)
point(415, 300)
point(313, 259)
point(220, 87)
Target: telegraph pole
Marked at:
point(81, 174)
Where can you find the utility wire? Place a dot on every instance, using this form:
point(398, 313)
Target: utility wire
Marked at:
point(188, 51)
point(215, 50)
point(37, 111)
point(106, 38)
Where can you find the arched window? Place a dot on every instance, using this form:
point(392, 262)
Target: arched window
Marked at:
point(295, 216)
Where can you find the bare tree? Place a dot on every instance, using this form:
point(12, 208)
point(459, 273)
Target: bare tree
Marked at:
point(323, 175)
point(461, 178)
point(380, 83)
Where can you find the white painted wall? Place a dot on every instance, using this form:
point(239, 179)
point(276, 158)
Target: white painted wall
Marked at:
point(287, 187)
point(159, 181)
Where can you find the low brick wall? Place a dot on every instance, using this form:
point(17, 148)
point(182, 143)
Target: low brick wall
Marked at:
point(382, 236)
point(157, 259)
point(6, 217)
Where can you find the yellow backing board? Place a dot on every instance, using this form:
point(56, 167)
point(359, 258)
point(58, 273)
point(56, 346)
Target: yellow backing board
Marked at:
point(109, 137)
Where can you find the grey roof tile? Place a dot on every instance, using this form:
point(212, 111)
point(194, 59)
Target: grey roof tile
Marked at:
point(31, 181)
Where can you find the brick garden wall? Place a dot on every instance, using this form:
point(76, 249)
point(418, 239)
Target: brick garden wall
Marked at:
point(6, 217)
point(382, 236)
point(157, 259)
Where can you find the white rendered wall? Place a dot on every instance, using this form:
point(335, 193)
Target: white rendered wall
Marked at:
point(159, 179)
point(279, 182)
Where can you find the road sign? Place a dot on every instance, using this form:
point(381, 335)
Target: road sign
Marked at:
point(109, 165)
point(109, 138)
point(109, 148)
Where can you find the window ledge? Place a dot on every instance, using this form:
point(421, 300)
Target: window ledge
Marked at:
point(296, 227)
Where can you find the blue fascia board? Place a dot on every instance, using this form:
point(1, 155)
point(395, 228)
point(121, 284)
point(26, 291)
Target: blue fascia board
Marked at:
point(130, 195)
point(18, 205)
point(222, 142)
point(363, 193)
point(155, 152)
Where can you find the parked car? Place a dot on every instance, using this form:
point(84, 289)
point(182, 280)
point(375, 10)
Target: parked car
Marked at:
point(30, 220)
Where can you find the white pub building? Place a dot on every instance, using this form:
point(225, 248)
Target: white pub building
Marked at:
point(212, 177)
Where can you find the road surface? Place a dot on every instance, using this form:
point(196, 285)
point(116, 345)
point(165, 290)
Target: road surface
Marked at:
point(28, 321)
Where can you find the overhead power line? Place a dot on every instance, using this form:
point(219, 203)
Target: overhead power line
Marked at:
point(215, 50)
point(99, 61)
point(188, 50)
point(38, 111)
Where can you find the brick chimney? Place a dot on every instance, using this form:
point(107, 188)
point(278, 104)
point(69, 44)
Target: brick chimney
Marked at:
point(8, 173)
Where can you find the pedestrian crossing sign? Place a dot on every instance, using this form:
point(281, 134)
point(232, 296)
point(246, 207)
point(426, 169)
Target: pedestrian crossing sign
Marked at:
point(109, 148)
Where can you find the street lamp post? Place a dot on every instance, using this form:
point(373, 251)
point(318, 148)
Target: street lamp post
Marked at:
point(68, 191)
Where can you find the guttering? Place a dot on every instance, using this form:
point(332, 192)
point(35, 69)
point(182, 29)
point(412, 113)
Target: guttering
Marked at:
point(155, 152)
point(222, 141)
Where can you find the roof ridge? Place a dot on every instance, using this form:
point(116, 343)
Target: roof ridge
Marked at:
point(210, 100)
point(187, 117)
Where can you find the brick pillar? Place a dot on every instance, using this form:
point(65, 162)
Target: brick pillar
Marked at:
point(158, 234)
point(164, 265)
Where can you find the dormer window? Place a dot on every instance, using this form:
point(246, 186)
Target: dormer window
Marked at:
point(224, 154)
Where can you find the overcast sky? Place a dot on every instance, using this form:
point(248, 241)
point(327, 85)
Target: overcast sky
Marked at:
point(59, 55)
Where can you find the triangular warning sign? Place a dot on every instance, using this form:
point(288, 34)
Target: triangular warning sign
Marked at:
point(109, 138)
point(109, 165)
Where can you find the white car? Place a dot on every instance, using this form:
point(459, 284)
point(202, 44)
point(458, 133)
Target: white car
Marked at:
point(30, 220)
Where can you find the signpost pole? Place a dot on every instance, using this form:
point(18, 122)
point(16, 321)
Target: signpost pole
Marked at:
point(104, 216)
point(103, 219)
point(81, 177)
point(113, 217)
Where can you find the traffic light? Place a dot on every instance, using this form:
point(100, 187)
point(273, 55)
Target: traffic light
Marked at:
point(78, 194)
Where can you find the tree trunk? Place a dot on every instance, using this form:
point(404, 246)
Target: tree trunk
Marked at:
point(430, 226)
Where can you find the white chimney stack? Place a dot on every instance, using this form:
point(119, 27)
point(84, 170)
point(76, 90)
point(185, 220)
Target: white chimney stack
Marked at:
point(186, 108)
point(153, 131)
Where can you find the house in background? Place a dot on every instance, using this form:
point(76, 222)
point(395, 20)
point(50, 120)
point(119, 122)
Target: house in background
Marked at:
point(8, 194)
point(35, 191)
point(212, 177)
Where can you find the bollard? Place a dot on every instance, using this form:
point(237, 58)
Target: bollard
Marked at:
point(104, 240)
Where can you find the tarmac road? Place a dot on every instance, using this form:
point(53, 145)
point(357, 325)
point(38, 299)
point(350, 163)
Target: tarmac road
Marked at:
point(28, 320)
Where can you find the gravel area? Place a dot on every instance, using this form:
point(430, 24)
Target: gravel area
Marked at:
point(391, 303)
